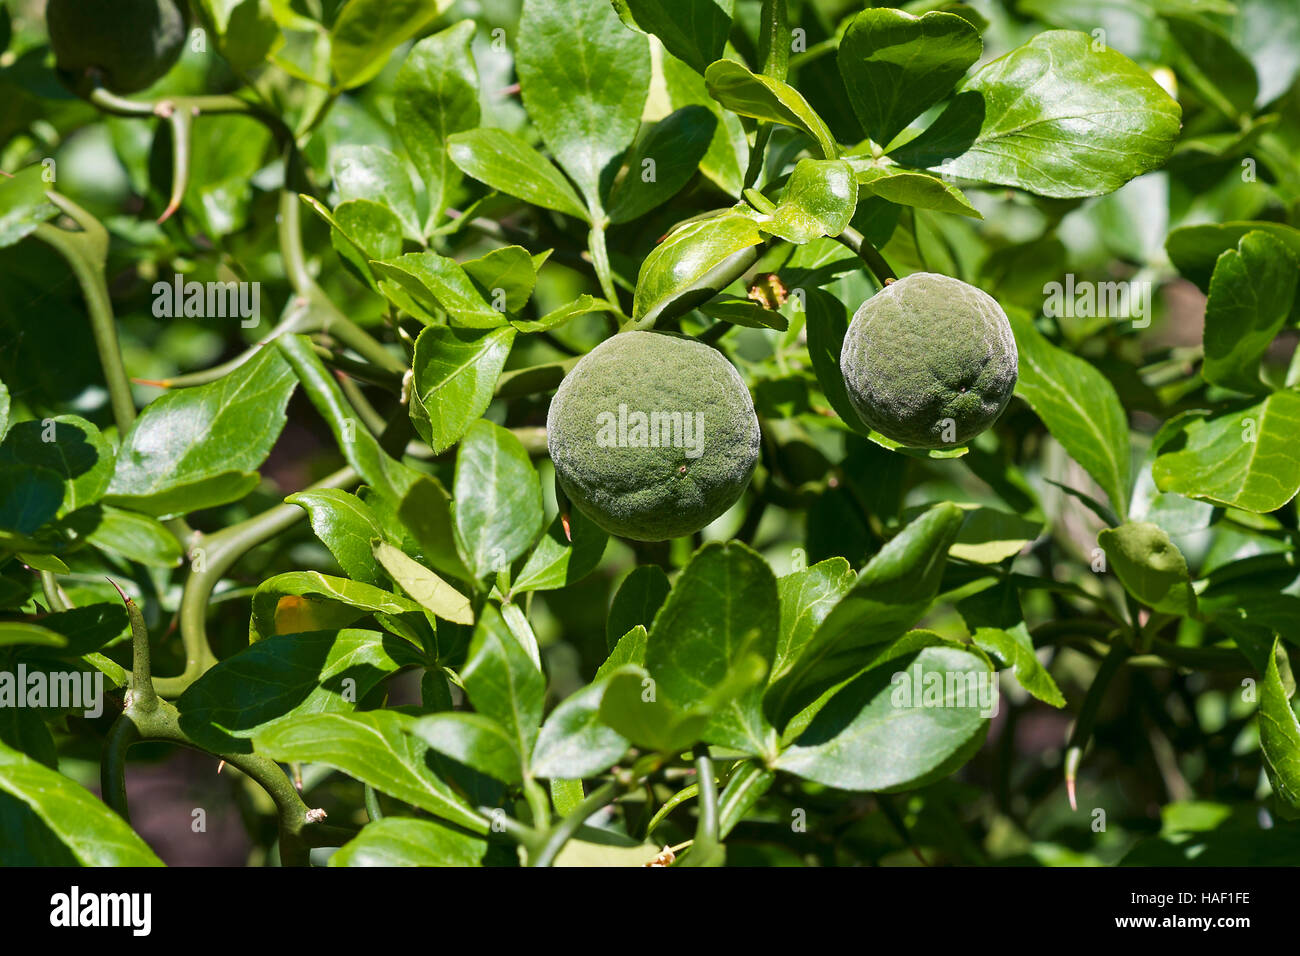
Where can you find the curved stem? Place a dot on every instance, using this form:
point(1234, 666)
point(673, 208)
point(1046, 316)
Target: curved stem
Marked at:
point(211, 558)
point(1079, 737)
point(869, 254)
point(54, 596)
point(563, 831)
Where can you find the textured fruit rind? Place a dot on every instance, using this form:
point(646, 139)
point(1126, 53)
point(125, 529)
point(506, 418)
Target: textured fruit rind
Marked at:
point(653, 493)
point(925, 350)
point(132, 43)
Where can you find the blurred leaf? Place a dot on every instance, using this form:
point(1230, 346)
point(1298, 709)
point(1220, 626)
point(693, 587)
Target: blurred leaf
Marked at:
point(426, 513)
point(728, 154)
point(1195, 249)
point(135, 537)
point(636, 602)
point(366, 32)
point(23, 204)
point(69, 446)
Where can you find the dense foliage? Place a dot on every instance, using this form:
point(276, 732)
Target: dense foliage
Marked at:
point(279, 337)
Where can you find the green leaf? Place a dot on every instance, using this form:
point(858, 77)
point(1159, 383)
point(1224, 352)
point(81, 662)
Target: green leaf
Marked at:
point(673, 278)
point(374, 747)
point(506, 163)
point(477, 741)
point(766, 98)
point(498, 498)
point(69, 446)
point(582, 305)
point(1251, 294)
point(728, 154)
point(29, 497)
point(1245, 459)
point(557, 561)
point(663, 159)
point(1150, 566)
point(310, 601)
point(1279, 735)
point(574, 743)
point(1055, 117)
point(403, 841)
point(455, 374)
point(631, 707)
point(366, 32)
point(896, 66)
point(899, 731)
point(438, 283)
point(629, 649)
point(376, 174)
point(990, 536)
point(18, 632)
point(919, 190)
point(361, 230)
point(94, 834)
point(1079, 406)
point(584, 78)
point(426, 513)
point(1015, 649)
point(425, 587)
point(721, 613)
point(503, 682)
point(435, 95)
point(1211, 65)
point(819, 200)
point(888, 597)
point(346, 526)
point(1195, 250)
point(694, 31)
point(745, 313)
point(637, 601)
point(192, 448)
point(135, 537)
point(505, 275)
point(24, 205)
point(285, 677)
point(806, 597)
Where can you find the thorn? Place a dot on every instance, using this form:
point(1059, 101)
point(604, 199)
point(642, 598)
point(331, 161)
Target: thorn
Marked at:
point(568, 531)
point(167, 213)
point(125, 600)
point(220, 766)
point(155, 382)
point(511, 90)
point(6, 175)
point(1072, 757)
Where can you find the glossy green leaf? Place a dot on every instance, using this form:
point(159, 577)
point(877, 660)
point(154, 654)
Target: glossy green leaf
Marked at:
point(438, 283)
point(346, 525)
point(455, 374)
point(366, 32)
point(919, 190)
point(503, 682)
point(766, 98)
point(582, 305)
point(378, 175)
point(1079, 407)
point(584, 78)
point(1251, 294)
point(1055, 117)
point(435, 95)
point(92, 833)
point(309, 601)
point(573, 742)
point(425, 511)
point(728, 154)
point(628, 649)
point(694, 31)
point(889, 596)
point(663, 159)
point(1279, 735)
point(192, 448)
point(896, 66)
point(426, 588)
point(374, 747)
point(1150, 566)
point(285, 677)
point(69, 446)
point(744, 312)
point(506, 163)
point(1015, 649)
point(674, 277)
point(899, 727)
point(561, 558)
point(476, 741)
point(498, 498)
point(506, 275)
point(404, 841)
point(806, 597)
point(819, 200)
point(636, 602)
point(1245, 459)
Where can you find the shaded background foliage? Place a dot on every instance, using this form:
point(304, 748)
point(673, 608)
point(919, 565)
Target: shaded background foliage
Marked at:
point(1113, 420)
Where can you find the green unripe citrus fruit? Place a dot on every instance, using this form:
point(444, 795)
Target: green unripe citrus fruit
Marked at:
point(652, 435)
point(131, 43)
point(929, 361)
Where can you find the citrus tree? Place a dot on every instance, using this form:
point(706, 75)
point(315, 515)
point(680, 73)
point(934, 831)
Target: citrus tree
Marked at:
point(658, 432)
